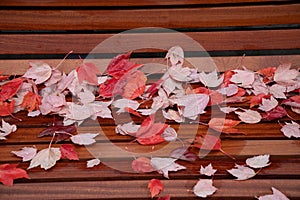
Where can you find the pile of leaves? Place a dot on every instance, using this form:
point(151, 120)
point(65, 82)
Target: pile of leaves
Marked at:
point(181, 94)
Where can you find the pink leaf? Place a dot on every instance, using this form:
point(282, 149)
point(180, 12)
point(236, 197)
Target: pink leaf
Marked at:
point(268, 104)
point(155, 186)
point(284, 75)
point(277, 195)
point(291, 130)
point(46, 158)
point(276, 113)
point(93, 162)
point(208, 170)
point(164, 165)
point(84, 138)
point(41, 72)
point(142, 164)
point(88, 72)
point(9, 172)
point(258, 161)
point(204, 188)
point(27, 153)
point(242, 172)
point(249, 116)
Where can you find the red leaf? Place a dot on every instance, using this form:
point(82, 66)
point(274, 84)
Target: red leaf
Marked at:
point(120, 66)
point(153, 89)
point(256, 100)
point(227, 76)
point(164, 198)
point(9, 172)
point(110, 88)
point(155, 186)
point(135, 86)
point(10, 88)
point(88, 72)
point(3, 77)
point(268, 73)
point(131, 111)
point(142, 164)
point(62, 132)
point(276, 113)
point(182, 153)
point(214, 96)
point(6, 108)
point(224, 125)
point(31, 101)
point(156, 139)
point(67, 151)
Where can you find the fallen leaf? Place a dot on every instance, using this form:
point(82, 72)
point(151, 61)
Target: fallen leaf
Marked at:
point(278, 91)
point(27, 153)
point(230, 90)
point(169, 134)
point(228, 110)
point(124, 104)
point(6, 108)
point(182, 153)
point(58, 129)
point(242, 172)
point(142, 164)
point(31, 101)
point(208, 170)
point(46, 158)
point(249, 116)
point(211, 79)
point(135, 86)
point(93, 162)
point(127, 129)
point(88, 72)
point(155, 186)
point(164, 198)
point(257, 99)
point(6, 129)
point(284, 75)
point(175, 55)
point(258, 161)
point(10, 88)
point(275, 113)
point(244, 78)
point(84, 138)
point(291, 129)
point(67, 151)
point(277, 195)
point(110, 88)
point(39, 71)
point(268, 104)
point(204, 188)
point(224, 125)
point(9, 172)
point(164, 165)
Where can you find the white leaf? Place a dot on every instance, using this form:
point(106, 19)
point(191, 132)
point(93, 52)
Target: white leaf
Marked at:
point(78, 112)
point(173, 115)
point(277, 195)
point(164, 165)
point(268, 104)
point(38, 71)
point(249, 116)
point(176, 55)
point(46, 158)
point(258, 161)
point(204, 188)
point(127, 129)
point(27, 153)
point(169, 134)
point(230, 90)
point(284, 75)
point(6, 129)
point(244, 78)
point(93, 162)
point(180, 73)
point(208, 170)
point(211, 79)
point(125, 103)
point(86, 96)
point(278, 91)
point(228, 109)
point(34, 113)
point(291, 130)
point(100, 109)
point(84, 138)
point(241, 172)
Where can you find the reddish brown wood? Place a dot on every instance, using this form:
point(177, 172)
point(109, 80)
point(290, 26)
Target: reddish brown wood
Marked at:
point(167, 18)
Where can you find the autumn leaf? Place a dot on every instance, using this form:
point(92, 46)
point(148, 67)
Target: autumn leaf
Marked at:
point(67, 151)
point(175, 55)
point(211, 79)
point(31, 101)
point(277, 195)
point(58, 129)
point(88, 72)
point(39, 71)
point(27, 153)
point(9, 172)
point(6, 108)
point(164, 165)
point(6, 129)
point(284, 75)
point(258, 161)
point(182, 153)
point(46, 158)
point(135, 86)
point(275, 113)
point(110, 88)
point(3, 77)
point(164, 198)
point(224, 125)
point(204, 188)
point(10, 88)
point(257, 99)
point(208, 170)
point(142, 164)
point(155, 186)
point(244, 78)
point(268, 104)
point(249, 116)
point(92, 163)
point(84, 138)
point(242, 172)
point(291, 130)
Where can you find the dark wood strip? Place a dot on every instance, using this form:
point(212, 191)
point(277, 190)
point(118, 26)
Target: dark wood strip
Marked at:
point(168, 18)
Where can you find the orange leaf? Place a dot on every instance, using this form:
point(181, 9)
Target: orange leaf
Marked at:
point(31, 101)
point(155, 186)
point(9, 172)
point(224, 125)
point(6, 108)
point(88, 72)
point(10, 88)
point(257, 99)
point(135, 86)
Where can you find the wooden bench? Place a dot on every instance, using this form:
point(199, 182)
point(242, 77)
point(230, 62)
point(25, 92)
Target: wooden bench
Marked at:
point(252, 33)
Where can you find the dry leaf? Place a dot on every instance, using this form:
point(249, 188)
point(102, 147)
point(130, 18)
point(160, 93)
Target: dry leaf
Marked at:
point(258, 161)
point(224, 125)
point(249, 116)
point(46, 158)
point(291, 129)
point(67, 151)
point(211, 79)
point(164, 165)
point(142, 164)
point(6, 129)
point(208, 170)
point(175, 55)
point(204, 188)
point(268, 104)
point(92, 163)
point(84, 138)
point(284, 75)
point(41, 72)
point(155, 186)
point(242, 172)
point(9, 172)
point(277, 195)
point(27, 153)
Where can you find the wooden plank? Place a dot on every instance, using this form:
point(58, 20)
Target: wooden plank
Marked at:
point(127, 189)
point(168, 18)
point(71, 3)
point(211, 41)
point(19, 67)
point(238, 148)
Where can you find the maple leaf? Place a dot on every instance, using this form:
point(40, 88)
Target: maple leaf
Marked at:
point(63, 132)
point(224, 125)
point(267, 72)
point(6, 108)
point(284, 75)
point(27, 153)
point(152, 140)
point(230, 90)
point(110, 88)
point(142, 164)
point(268, 104)
point(93, 162)
point(228, 109)
point(46, 158)
point(243, 77)
point(164, 165)
point(41, 72)
point(9, 172)
point(257, 99)
point(155, 186)
point(135, 86)
point(125, 104)
point(67, 151)
point(291, 130)
point(175, 55)
point(258, 161)
point(173, 115)
point(169, 134)
point(6, 129)
point(88, 72)
point(3, 77)
point(227, 76)
point(84, 138)
point(127, 129)
point(211, 79)
point(277, 195)
point(208, 170)
point(182, 153)
point(10, 88)
point(249, 116)
point(242, 172)
point(31, 101)
point(278, 91)
point(52, 103)
point(179, 73)
point(275, 113)
point(204, 188)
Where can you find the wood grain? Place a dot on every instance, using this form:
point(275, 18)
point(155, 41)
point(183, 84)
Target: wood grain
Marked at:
point(167, 18)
